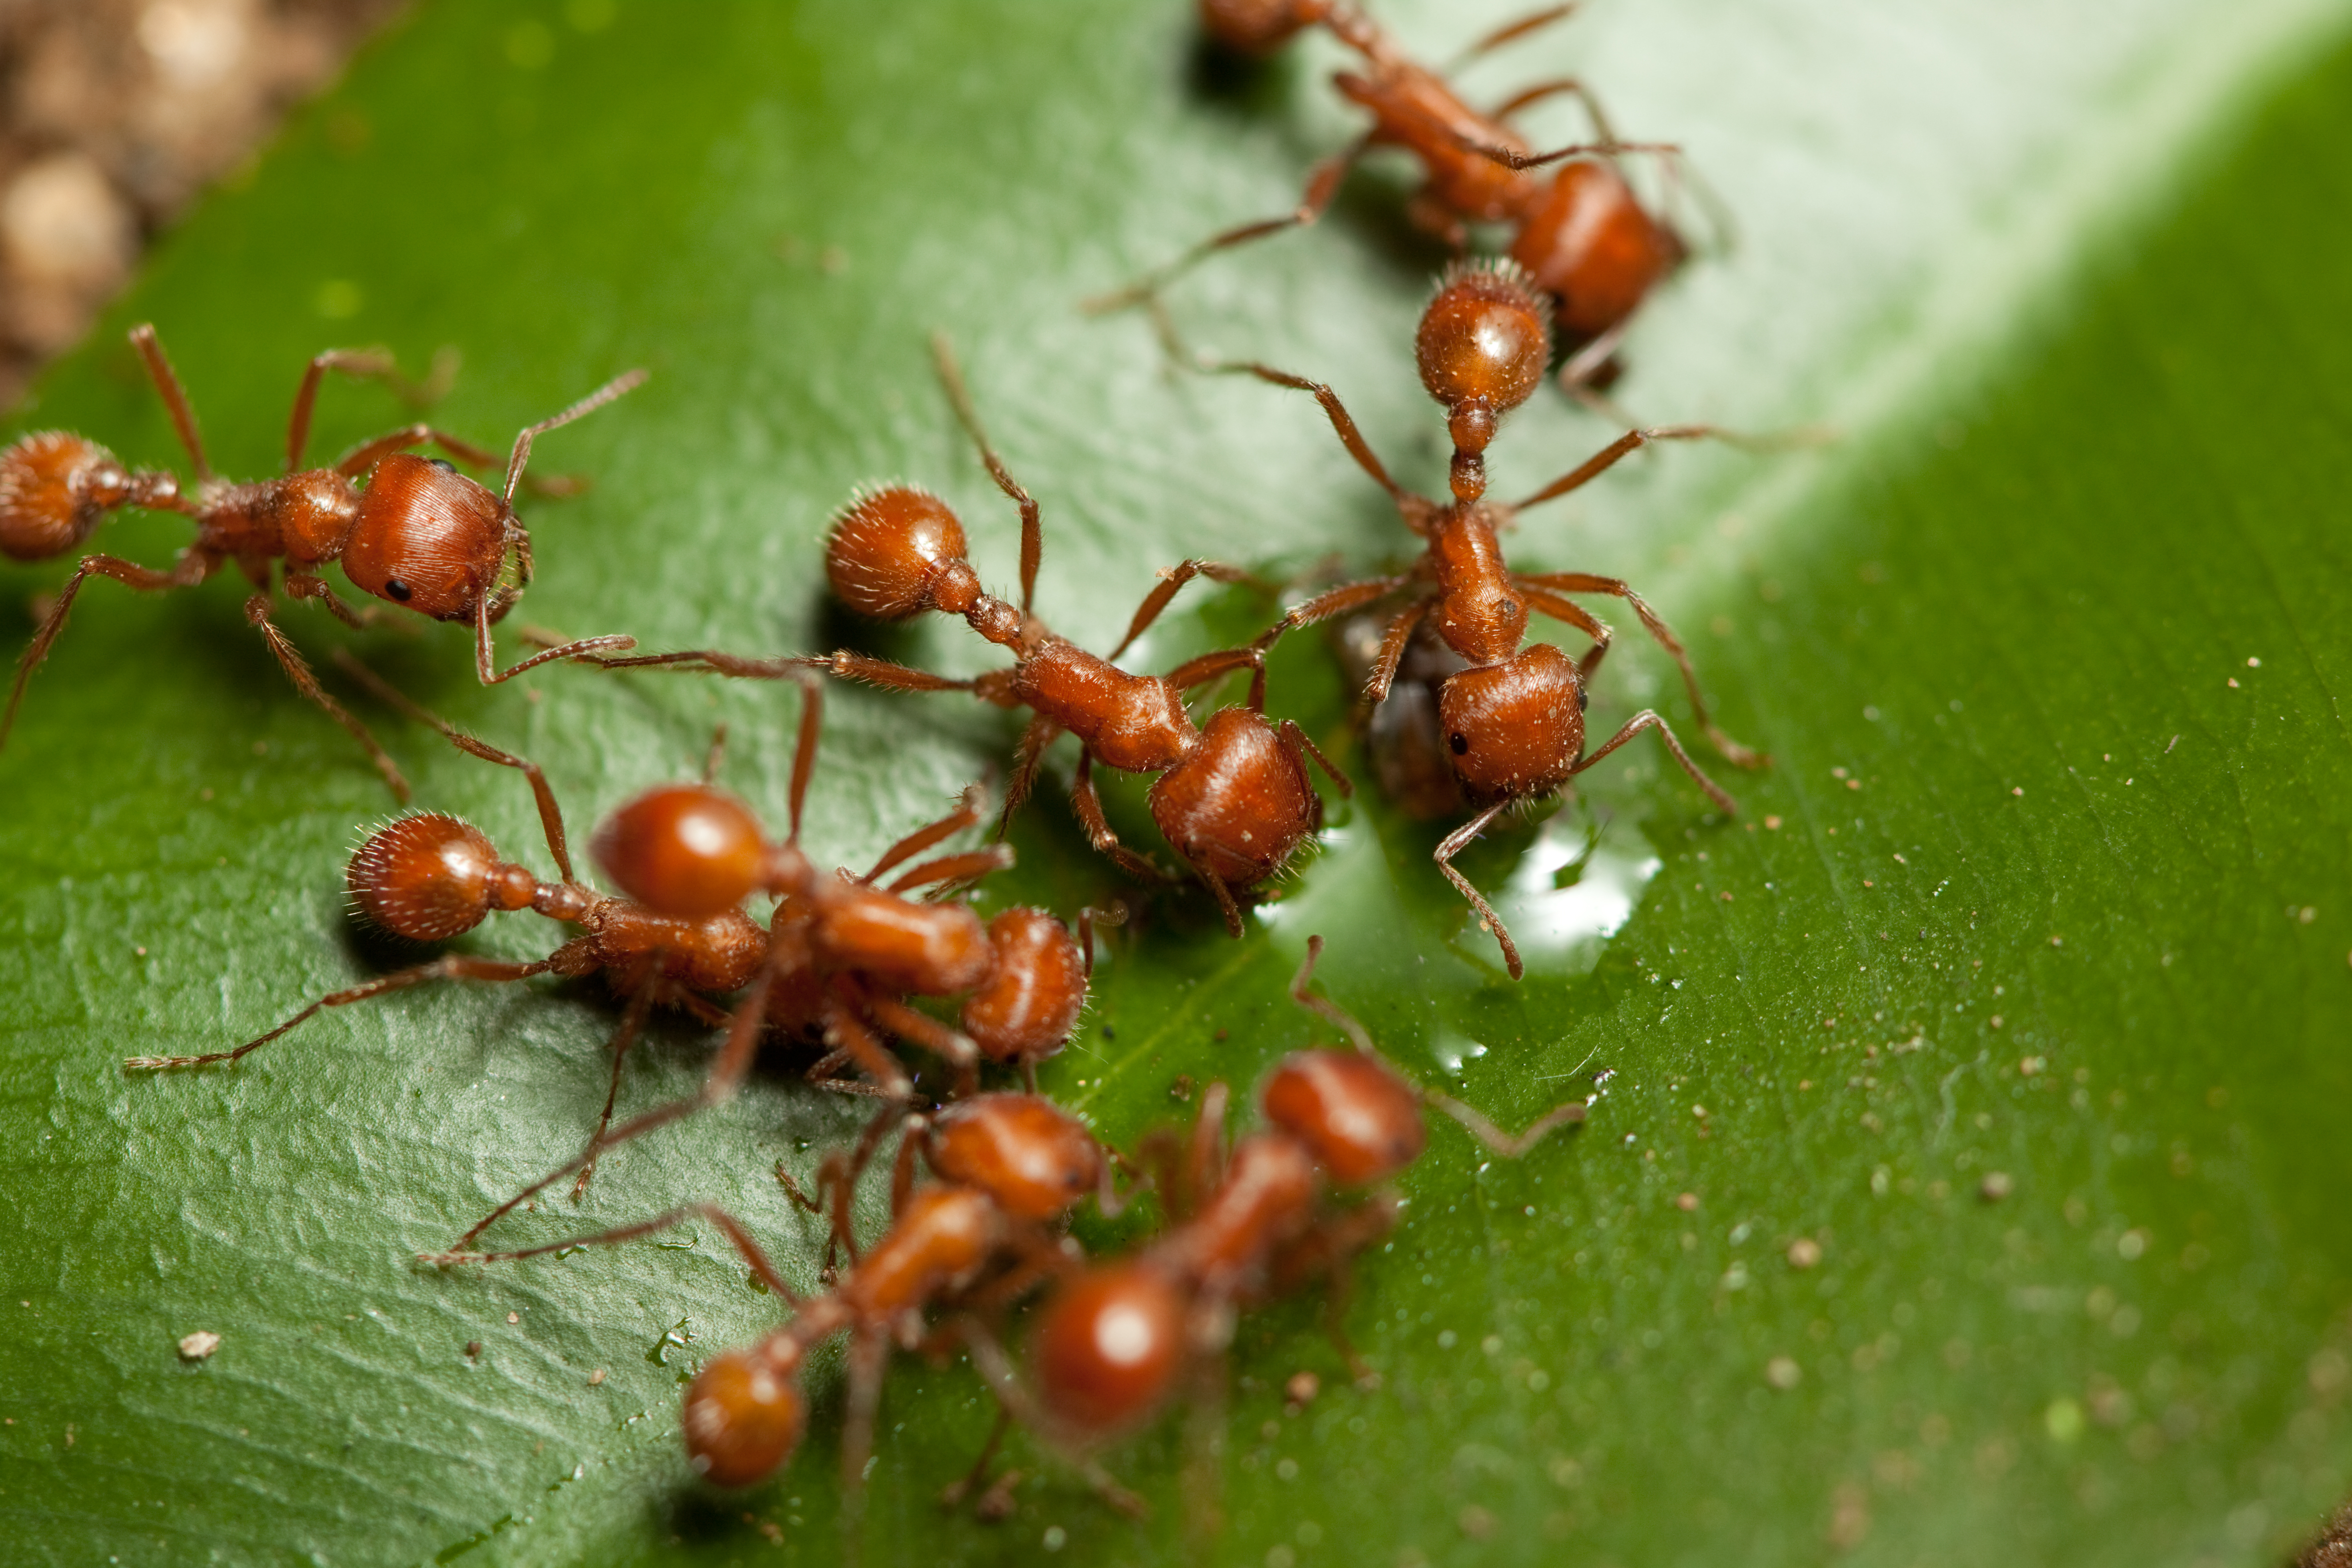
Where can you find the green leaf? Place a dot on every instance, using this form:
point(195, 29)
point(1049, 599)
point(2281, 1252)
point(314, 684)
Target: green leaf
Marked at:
point(2045, 883)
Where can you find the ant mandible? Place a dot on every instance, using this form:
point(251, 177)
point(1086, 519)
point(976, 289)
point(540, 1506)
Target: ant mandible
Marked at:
point(1252, 1223)
point(1514, 719)
point(1585, 238)
point(1009, 1167)
point(420, 535)
point(1232, 797)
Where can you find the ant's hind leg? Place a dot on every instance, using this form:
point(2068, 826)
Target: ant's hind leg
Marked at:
point(298, 670)
point(1454, 844)
point(1089, 808)
point(451, 967)
point(732, 1228)
point(192, 568)
point(1171, 582)
point(988, 1357)
point(633, 1024)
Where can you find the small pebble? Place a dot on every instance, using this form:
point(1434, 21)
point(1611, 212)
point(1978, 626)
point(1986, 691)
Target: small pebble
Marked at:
point(199, 1345)
point(1303, 1387)
point(514, 1317)
point(1995, 1186)
point(597, 1378)
point(1804, 1253)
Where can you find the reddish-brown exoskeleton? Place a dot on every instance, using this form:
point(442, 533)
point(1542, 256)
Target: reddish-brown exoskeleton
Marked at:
point(1513, 718)
point(1582, 235)
point(420, 535)
point(1114, 1341)
point(1009, 1166)
point(1232, 796)
point(843, 953)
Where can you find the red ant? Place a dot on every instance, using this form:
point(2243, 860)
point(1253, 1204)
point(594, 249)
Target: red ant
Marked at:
point(843, 953)
point(1514, 718)
point(421, 535)
point(1585, 238)
point(1252, 1223)
point(1233, 796)
point(1009, 1166)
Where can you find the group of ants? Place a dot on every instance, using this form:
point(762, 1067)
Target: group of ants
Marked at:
point(1466, 714)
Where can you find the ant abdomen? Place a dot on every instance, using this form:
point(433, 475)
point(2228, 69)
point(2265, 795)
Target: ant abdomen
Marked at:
point(1485, 341)
point(1590, 245)
point(688, 851)
point(1259, 26)
point(744, 1418)
point(1239, 802)
point(1031, 1157)
point(898, 551)
point(429, 878)
point(427, 538)
point(55, 487)
point(1361, 1121)
point(1026, 1008)
point(1515, 728)
point(1109, 1346)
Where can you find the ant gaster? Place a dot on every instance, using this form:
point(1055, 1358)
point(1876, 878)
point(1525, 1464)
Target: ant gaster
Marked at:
point(1232, 796)
point(420, 535)
point(1514, 719)
point(1584, 237)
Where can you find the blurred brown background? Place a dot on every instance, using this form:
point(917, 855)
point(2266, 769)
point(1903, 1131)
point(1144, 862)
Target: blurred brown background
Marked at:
point(113, 115)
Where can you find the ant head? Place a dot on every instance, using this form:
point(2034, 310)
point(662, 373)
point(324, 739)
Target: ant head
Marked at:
point(1516, 727)
point(1238, 802)
point(55, 489)
point(1035, 988)
point(744, 1418)
point(1259, 26)
point(688, 851)
point(1107, 1347)
point(429, 878)
point(1362, 1121)
point(427, 538)
point(1484, 344)
point(1593, 246)
point(1032, 1157)
point(896, 552)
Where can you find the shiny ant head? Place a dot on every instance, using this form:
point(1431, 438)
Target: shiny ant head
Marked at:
point(744, 1418)
point(1033, 1159)
point(1516, 727)
point(429, 878)
point(1483, 345)
point(1037, 986)
point(1594, 246)
point(1361, 1121)
point(429, 539)
point(1259, 26)
point(898, 551)
point(55, 489)
point(1107, 1347)
point(1238, 801)
point(688, 851)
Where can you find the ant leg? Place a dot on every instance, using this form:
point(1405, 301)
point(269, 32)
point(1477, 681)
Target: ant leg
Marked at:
point(1323, 1006)
point(804, 742)
point(967, 812)
point(176, 399)
point(902, 1168)
point(995, 1367)
point(1170, 581)
point(1323, 183)
point(848, 666)
point(486, 664)
point(1344, 424)
point(302, 585)
point(298, 670)
point(1510, 33)
point(951, 1046)
point(1300, 746)
point(1577, 373)
point(1647, 719)
point(1502, 1144)
point(1204, 1153)
point(1568, 86)
point(1209, 666)
point(1394, 642)
point(627, 381)
point(1584, 583)
point(1088, 805)
point(869, 1351)
point(954, 871)
point(1041, 733)
point(632, 1023)
point(1226, 904)
point(192, 568)
point(550, 816)
point(1089, 918)
point(1575, 615)
point(1331, 602)
point(450, 966)
point(1033, 536)
point(845, 1030)
point(1511, 158)
point(1608, 458)
point(714, 758)
point(733, 1228)
point(351, 362)
point(368, 454)
point(1455, 843)
point(955, 1491)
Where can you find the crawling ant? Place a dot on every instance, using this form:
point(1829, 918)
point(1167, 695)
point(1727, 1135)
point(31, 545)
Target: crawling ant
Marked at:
point(1585, 237)
point(978, 1238)
point(1232, 796)
point(1513, 715)
point(420, 535)
point(844, 952)
point(1251, 1223)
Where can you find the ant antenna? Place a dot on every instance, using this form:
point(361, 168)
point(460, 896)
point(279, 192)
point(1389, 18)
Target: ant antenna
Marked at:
point(1323, 1006)
point(1033, 538)
point(716, 755)
point(620, 385)
point(804, 752)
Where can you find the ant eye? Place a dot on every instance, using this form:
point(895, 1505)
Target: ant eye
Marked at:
point(1460, 743)
point(395, 589)
point(1583, 699)
point(444, 464)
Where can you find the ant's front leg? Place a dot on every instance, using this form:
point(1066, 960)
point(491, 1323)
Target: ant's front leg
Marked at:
point(1098, 831)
